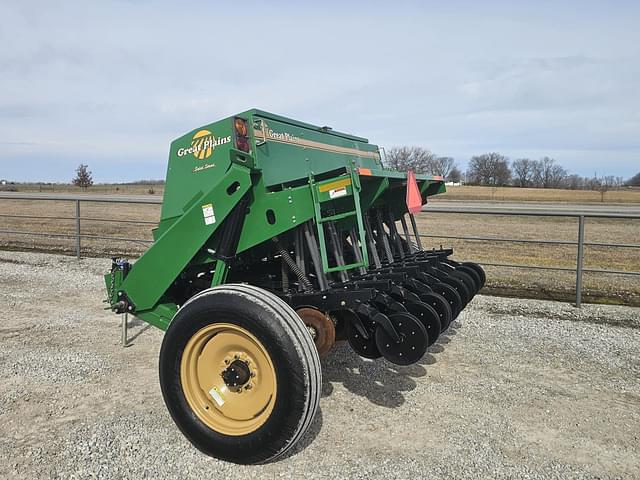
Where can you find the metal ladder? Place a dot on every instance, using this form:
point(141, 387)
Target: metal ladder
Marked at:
point(333, 189)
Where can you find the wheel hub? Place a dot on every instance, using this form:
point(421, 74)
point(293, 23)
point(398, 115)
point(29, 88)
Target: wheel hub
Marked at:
point(237, 374)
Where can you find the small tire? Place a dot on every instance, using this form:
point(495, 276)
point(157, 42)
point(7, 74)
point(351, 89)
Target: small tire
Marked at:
point(468, 282)
point(477, 280)
point(441, 306)
point(280, 355)
point(479, 270)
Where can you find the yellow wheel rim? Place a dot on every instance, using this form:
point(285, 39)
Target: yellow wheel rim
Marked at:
point(211, 356)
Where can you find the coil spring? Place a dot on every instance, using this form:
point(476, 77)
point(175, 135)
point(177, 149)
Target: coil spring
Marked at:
point(306, 284)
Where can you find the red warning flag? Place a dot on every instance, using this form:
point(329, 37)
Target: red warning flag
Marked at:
point(414, 199)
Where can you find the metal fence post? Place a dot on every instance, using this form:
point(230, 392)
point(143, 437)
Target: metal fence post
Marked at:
point(78, 229)
point(580, 261)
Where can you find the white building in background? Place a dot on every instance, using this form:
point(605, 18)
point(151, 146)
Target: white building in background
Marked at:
point(3, 182)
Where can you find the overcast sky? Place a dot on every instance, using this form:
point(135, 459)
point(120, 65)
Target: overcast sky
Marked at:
point(111, 83)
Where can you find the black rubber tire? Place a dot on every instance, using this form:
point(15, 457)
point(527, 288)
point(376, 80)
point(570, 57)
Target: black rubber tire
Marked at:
point(429, 318)
point(459, 286)
point(293, 354)
point(479, 270)
point(468, 282)
point(451, 295)
point(477, 281)
point(440, 305)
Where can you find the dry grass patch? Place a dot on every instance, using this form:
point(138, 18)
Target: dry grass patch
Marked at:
point(514, 194)
point(536, 283)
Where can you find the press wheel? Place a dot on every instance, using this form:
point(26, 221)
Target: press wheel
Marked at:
point(428, 317)
point(413, 340)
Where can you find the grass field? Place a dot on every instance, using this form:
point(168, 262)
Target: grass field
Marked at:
point(540, 283)
point(508, 281)
point(513, 194)
point(101, 188)
point(626, 195)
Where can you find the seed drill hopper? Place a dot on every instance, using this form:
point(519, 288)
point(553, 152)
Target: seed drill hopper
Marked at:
point(277, 239)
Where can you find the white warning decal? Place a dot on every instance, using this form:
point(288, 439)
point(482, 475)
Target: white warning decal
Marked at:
point(217, 396)
point(338, 192)
point(208, 214)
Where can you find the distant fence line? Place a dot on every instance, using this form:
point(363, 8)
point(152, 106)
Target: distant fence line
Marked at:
point(579, 243)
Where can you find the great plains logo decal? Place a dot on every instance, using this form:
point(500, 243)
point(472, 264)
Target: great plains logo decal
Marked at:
point(203, 144)
point(283, 137)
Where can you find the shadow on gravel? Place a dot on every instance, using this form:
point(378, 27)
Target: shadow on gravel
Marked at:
point(380, 382)
point(137, 334)
point(135, 323)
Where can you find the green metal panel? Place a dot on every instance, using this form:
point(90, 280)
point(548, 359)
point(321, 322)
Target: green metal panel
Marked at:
point(160, 316)
point(197, 160)
point(156, 270)
point(307, 151)
point(291, 207)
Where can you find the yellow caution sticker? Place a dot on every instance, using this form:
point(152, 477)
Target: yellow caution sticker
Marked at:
point(334, 185)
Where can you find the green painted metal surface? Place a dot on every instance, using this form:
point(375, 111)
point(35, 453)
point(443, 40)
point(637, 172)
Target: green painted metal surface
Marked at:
point(156, 270)
point(294, 172)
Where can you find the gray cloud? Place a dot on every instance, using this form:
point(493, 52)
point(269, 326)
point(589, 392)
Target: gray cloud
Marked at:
point(111, 83)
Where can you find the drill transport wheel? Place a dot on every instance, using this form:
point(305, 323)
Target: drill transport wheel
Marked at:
point(240, 374)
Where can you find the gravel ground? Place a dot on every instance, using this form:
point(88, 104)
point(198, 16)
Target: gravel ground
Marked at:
point(518, 389)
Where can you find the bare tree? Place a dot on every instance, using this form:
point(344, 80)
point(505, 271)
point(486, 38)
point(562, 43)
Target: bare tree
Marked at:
point(523, 171)
point(610, 181)
point(418, 159)
point(634, 181)
point(575, 182)
point(442, 166)
point(454, 175)
point(557, 176)
point(83, 177)
point(489, 169)
point(548, 174)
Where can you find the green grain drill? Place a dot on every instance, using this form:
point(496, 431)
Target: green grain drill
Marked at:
point(278, 238)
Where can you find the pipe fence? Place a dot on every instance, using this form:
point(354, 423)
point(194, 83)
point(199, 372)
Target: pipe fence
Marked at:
point(579, 243)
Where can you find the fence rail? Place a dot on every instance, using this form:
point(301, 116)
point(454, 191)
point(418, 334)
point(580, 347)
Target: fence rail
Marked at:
point(579, 243)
